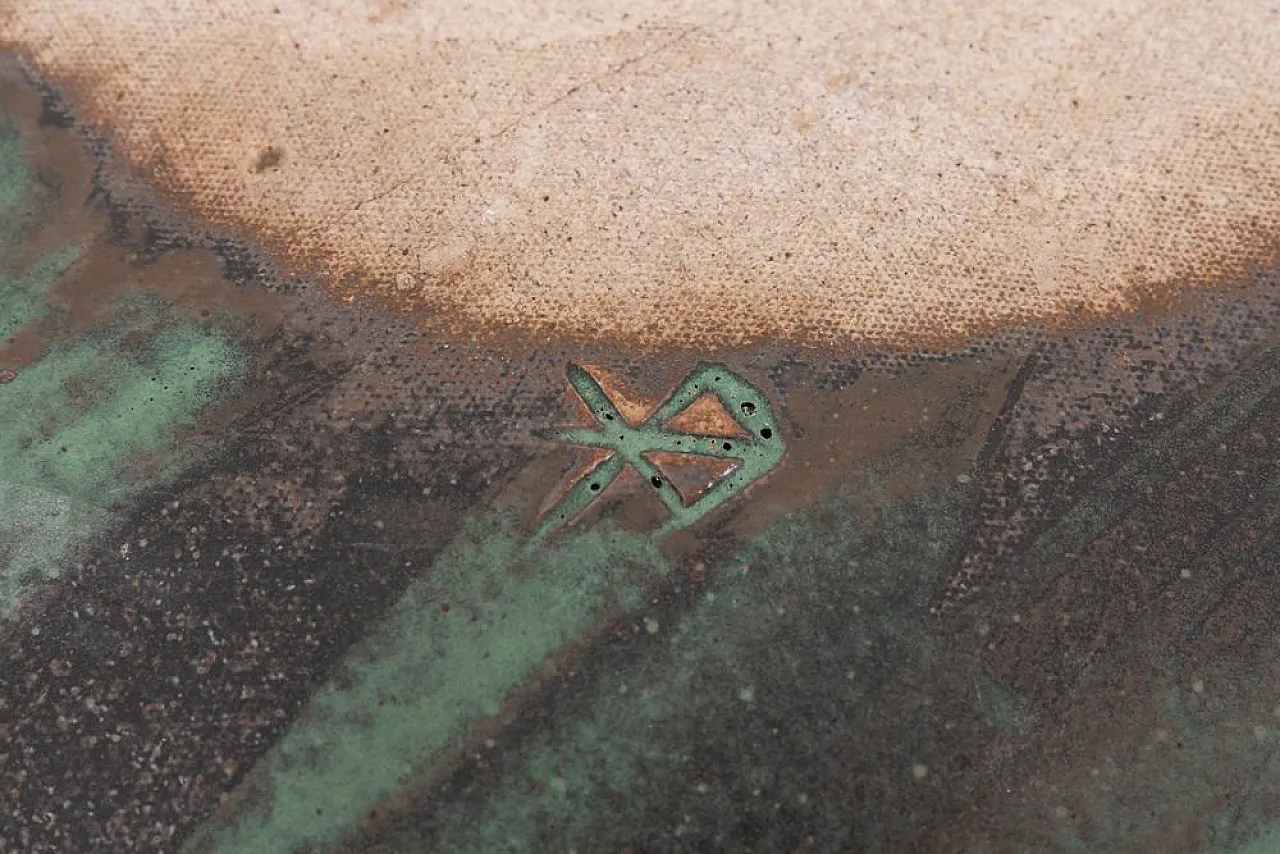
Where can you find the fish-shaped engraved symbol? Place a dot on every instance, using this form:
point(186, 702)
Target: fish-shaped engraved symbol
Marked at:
point(751, 456)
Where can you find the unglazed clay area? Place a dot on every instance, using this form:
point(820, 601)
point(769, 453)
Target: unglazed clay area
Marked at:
point(706, 174)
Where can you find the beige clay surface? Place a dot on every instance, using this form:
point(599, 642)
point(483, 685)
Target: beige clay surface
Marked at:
point(706, 173)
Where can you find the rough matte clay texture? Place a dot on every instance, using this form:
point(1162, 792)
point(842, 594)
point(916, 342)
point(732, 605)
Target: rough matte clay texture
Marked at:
point(705, 173)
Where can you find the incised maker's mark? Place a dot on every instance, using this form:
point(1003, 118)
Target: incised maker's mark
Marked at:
point(750, 455)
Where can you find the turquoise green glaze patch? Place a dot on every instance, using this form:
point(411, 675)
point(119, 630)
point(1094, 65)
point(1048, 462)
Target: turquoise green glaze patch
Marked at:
point(417, 684)
point(73, 421)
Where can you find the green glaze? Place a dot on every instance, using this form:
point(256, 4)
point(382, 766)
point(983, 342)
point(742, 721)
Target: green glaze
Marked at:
point(22, 297)
point(71, 422)
point(64, 459)
point(1267, 842)
point(22, 197)
point(774, 641)
point(15, 177)
point(775, 622)
point(420, 681)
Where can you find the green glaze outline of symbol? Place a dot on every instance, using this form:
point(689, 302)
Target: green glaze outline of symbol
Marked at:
point(754, 457)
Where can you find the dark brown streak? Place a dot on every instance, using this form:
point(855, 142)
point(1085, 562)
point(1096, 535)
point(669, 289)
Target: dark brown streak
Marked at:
point(956, 587)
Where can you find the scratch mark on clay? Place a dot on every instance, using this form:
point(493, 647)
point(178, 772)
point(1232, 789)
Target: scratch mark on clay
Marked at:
point(612, 71)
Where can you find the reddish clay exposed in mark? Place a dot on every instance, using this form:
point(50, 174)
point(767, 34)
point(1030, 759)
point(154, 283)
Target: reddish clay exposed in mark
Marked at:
point(706, 416)
point(691, 475)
